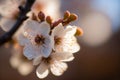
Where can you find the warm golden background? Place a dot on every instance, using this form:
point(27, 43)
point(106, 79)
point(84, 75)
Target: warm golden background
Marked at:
point(99, 57)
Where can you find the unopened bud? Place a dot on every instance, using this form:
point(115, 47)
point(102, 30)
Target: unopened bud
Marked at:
point(41, 16)
point(79, 32)
point(49, 20)
point(72, 17)
point(66, 15)
point(34, 17)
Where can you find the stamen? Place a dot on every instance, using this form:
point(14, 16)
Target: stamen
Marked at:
point(57, 40)
point(47, 60)
point(39, 39)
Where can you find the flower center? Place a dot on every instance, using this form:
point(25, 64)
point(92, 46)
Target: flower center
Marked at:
point(57, 40)
point(47, 60)
point(39, 39)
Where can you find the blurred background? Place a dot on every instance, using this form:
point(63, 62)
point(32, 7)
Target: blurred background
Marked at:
point(99, 57)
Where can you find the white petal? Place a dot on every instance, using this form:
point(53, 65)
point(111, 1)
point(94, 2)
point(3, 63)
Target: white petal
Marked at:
point(31, 51)
point(63, 56)
point(58, 31)
point(37, 60)
point(31, 25)
point(30, 30)
point(42, 71)
point(47, 47)
point(46, 51)
point(6, 23)
point(44, 28)
point(68, 44)
point(72, 30)
point(58, 68)
point(71, 45)
point(22, 40)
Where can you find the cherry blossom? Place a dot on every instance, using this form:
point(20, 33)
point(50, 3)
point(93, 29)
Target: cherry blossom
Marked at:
point(48, 43)
point(55, 63)
point(36, 39)
point(65, 40)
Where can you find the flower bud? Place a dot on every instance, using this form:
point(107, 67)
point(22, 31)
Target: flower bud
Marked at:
point(41, 16)
point(79, 32)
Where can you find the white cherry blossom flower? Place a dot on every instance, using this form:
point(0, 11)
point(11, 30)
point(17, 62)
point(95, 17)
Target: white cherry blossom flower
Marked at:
point(65, 40)
point(55, 62)
point(36, 39)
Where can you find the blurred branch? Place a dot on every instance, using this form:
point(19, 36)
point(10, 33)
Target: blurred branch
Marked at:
point(22, 16)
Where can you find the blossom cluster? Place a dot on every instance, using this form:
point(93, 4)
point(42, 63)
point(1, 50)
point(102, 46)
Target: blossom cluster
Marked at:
point(47, 42)
point(50, 44)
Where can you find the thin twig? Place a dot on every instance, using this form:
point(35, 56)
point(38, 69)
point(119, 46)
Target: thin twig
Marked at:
point(22, 16)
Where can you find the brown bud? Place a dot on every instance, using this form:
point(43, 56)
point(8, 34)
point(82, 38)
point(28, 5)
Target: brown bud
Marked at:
point(72, 17)
point(79, 32)
point(34, 17)
point(49, 20)
point(66, 15)
point(41, 16)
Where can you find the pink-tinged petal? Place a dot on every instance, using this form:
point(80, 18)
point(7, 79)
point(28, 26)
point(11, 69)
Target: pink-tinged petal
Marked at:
point(42, 70)
point(58, 68)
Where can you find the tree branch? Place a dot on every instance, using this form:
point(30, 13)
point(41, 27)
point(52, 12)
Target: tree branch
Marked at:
point(22, 16)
